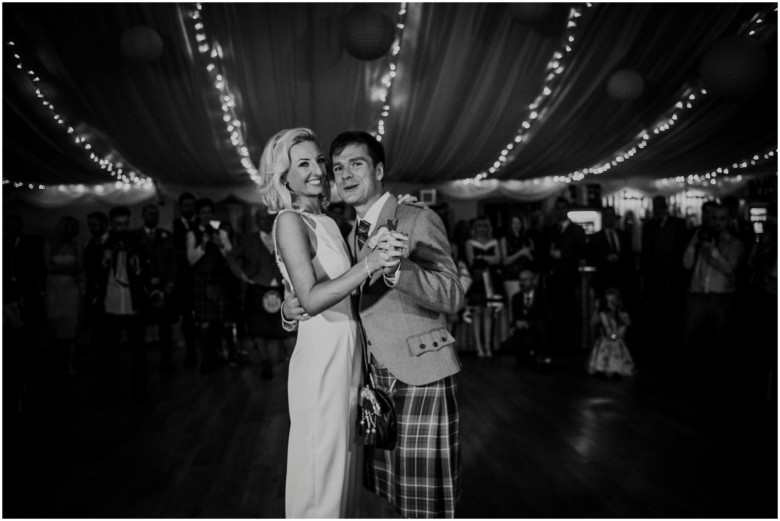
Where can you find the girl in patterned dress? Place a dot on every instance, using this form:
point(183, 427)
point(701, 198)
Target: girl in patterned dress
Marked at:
point(610, 356)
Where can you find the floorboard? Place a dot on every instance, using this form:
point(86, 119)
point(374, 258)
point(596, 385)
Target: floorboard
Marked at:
point(562, 445)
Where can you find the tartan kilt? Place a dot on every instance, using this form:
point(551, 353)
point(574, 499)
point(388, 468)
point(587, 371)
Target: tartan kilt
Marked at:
point(421, 476)
point(209, 299)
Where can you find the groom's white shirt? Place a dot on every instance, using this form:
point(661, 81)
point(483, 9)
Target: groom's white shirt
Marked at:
point(371, 217)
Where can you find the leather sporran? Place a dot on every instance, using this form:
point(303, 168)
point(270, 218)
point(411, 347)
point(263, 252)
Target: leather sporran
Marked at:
point(378, 426)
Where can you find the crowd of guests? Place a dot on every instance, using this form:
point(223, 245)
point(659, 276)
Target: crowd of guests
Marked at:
point(221, 288)
point(690, 297)
point(687, 298)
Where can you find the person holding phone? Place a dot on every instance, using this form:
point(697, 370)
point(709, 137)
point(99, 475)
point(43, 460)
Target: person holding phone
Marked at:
point(207, 248)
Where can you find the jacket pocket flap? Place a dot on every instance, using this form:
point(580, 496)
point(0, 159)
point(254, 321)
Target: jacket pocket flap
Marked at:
point(429, 341)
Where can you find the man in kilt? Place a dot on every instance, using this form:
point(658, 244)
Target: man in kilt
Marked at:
point(410, 351)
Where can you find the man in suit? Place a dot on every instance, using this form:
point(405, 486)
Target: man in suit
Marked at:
point(162, 279)
point(531, 320)
point(664, 239)
point(611, 254)
point(122, 296)
point(183, 295)
point(403, 312)
point(567, 250)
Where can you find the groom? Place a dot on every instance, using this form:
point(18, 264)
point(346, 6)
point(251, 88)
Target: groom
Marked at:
point(403, 312)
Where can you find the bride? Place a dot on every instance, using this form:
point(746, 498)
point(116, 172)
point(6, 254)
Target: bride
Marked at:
point(323, 460)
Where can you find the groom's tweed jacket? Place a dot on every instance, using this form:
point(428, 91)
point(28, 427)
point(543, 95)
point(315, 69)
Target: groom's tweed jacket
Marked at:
point(406, 328)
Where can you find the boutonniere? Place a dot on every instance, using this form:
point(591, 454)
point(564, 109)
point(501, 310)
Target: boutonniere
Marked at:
point(372, 242)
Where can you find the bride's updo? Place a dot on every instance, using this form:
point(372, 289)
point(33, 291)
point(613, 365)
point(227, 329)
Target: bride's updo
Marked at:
point(274, 165)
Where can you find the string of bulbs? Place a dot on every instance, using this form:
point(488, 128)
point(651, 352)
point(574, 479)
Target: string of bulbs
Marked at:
point(115, 169)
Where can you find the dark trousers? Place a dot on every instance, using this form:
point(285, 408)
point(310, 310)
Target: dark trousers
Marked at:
point(529, 345)
point(565, 331)
point(107, 352)
point(162, 319)
point(706, 334)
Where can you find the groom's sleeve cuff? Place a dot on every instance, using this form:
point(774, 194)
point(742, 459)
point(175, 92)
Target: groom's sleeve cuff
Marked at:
point(392, 280)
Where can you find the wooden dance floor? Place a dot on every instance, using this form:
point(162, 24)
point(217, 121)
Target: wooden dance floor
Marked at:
point(562, 445)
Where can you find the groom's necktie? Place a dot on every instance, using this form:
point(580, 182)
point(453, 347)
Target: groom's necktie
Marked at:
point(362, 233)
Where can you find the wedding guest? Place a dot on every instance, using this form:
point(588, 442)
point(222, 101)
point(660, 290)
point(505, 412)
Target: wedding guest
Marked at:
point(183, 295)
point(610, 356)
point(254, 263)
point(611, 254)
point(97, 223)
point(64, 261)
point(531, 322)
point(567, 250)
point(24, 275)
point(664, 239)
point(162, 281)
point(483, 257)
point(122, 296)
point(207, 247)
point(517, 252)
point(713, 254)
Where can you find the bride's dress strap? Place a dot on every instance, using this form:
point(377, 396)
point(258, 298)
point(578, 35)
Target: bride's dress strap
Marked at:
point(307, 219)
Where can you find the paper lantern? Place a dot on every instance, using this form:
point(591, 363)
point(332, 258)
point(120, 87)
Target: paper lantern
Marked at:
point(530, 13)
point(368, 32)
point(141, 43)
point(625, 85)
point(733, 66)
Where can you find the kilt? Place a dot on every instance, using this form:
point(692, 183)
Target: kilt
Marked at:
point(209, 299)
point(421, 476)
point(262, 311)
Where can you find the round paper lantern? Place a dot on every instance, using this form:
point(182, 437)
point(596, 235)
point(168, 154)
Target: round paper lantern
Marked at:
point(141, 43)
point(625, 85)
point(368, 32)
point(530, 13)
point(733, 66)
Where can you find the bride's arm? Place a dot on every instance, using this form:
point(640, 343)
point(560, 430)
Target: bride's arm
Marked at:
point(315, 297)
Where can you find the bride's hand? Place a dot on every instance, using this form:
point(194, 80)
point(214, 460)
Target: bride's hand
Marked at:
point(388, 252)
point(382, 258)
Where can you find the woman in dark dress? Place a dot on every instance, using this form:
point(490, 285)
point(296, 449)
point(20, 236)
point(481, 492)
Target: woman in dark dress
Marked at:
point(517, 252)
point(484, 257)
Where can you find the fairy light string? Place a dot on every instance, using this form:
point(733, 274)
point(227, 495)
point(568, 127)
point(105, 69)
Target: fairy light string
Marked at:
point(234, 128)
point(689, 99)
point(536, 111)
point(389, 77)
point(115, 168)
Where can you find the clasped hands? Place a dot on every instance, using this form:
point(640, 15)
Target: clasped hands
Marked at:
point(387, 249)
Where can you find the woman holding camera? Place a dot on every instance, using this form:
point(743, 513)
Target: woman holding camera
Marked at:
point(207, 247)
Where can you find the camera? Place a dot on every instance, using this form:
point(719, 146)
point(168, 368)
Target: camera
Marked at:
point(706, 235)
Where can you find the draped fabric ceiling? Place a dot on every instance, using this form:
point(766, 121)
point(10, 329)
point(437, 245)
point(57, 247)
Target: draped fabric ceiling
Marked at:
point(466, 74)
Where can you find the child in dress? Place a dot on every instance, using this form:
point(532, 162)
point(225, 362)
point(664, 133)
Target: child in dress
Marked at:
point(610, 356)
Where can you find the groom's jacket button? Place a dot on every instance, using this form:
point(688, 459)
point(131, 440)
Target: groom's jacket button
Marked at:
point(422, 346)
point(435, 344)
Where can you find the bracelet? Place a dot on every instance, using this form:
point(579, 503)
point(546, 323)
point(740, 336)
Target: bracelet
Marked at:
point(367, 270)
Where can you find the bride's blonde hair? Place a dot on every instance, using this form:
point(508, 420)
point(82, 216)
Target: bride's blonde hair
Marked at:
point(274, 165)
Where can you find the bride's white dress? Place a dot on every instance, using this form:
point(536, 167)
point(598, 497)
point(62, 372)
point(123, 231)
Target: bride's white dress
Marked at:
point(323, 460)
